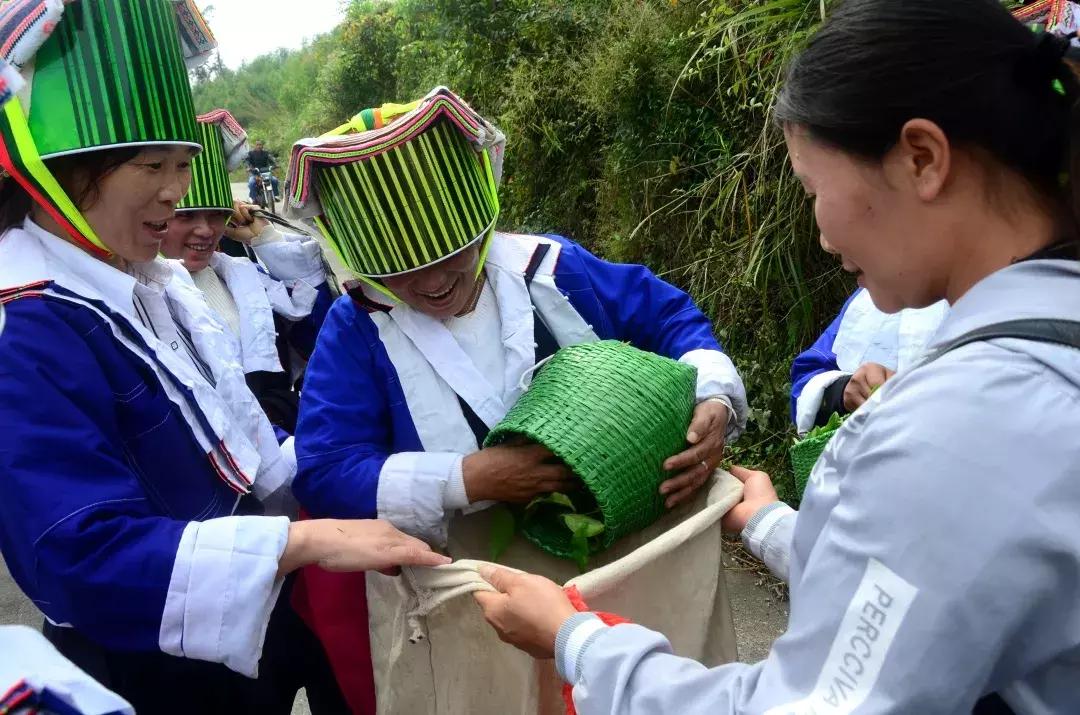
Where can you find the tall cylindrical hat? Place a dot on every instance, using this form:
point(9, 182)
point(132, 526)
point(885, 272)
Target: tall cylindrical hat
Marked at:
point(401, 187)
point(224, 148)
point(99, 75)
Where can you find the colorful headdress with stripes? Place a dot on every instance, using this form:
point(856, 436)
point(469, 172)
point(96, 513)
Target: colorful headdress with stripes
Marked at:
point(403, 186)
point(99, 74)
point(1059, 16)
point(224, 148)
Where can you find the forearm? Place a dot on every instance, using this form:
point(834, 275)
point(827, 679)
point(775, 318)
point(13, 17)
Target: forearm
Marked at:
point(631, 670)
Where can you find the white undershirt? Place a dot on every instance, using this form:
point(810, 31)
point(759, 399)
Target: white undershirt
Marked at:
point(218, 296)
point(479, 333)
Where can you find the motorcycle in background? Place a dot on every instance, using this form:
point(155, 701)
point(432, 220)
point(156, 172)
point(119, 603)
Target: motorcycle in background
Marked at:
point(264, 188)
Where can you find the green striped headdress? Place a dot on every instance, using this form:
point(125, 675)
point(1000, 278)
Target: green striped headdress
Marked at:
point(401, 187)
point(105, 74)
point(224, 147)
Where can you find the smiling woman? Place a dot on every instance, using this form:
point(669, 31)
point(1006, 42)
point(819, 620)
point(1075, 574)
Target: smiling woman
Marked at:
point(145, 501)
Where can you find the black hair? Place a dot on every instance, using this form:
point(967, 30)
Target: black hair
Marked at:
point(991, 84)
point(79, 174)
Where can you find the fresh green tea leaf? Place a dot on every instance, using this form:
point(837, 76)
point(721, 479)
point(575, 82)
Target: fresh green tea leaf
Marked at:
point(503, 527)
point(579, 548)
point(579, 523)
point(834, 423)
point(553, 499)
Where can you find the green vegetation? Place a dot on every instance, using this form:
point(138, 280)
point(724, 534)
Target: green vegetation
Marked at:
point(639, 127)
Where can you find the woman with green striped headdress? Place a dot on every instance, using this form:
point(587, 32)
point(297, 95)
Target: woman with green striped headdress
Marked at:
point(440, 338)
point(272, 311)
point(145, 499)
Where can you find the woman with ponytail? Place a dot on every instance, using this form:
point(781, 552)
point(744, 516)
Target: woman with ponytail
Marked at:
point(935, 560)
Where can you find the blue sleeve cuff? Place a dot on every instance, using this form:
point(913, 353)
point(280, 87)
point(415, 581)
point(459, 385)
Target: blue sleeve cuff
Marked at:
point(575, 636)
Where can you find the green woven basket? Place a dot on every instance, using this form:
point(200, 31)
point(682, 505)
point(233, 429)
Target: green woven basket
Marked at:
point(613, 414)
point(805, 454)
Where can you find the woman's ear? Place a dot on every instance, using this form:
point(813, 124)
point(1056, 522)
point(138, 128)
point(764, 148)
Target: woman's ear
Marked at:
point(924, 157)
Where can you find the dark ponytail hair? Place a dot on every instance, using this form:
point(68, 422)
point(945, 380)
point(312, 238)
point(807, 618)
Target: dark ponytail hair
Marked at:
point(79, 174)
point(969, 66)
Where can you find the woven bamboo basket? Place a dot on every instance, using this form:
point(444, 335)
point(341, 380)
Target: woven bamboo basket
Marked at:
point(805, 454)
point(613, 414)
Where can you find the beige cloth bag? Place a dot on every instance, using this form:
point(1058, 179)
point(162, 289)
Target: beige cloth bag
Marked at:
point(433, 653)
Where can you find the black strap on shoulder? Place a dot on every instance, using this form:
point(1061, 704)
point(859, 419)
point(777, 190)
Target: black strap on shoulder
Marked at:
point(1042, 330)
point(546, 344)
point(538, 257)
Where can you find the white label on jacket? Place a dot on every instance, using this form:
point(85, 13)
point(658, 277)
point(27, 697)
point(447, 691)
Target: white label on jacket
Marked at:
point(867, 632)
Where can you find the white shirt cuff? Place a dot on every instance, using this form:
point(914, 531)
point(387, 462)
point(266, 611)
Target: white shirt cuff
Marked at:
point(292, 259)
point(718, 378)
point(412, 491)
point(455, 497)
point(223, 588)
point(809, 401)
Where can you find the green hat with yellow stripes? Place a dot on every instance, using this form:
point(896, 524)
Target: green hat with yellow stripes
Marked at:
point(99, 74)
point(224, 148)
point(401, 187)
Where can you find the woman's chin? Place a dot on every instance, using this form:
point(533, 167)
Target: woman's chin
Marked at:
point(195, 264)
point(884, 301)
point(141, 254)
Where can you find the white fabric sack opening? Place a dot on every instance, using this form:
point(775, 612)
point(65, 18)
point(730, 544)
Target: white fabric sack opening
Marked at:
point(433, 653)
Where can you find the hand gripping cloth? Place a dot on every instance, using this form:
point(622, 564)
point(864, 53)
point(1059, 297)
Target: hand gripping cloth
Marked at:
point(433, 654)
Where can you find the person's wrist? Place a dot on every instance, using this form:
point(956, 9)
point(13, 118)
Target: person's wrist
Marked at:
point(299, 548)
point(559, 619)
point(472, 477)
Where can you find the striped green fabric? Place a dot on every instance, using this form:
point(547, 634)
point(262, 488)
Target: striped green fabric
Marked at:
point(210, 185)
point(112, 73)
point(408, 207)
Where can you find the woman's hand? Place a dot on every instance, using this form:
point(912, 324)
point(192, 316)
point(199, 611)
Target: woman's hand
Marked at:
point(515, 474)
point(707, 436)
point(758, 492)
point(527, 611)
point(869, 377)
point(242, 226)
point(354, 545)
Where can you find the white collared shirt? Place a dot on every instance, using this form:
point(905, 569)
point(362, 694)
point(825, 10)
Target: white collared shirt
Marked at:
point(139, 293)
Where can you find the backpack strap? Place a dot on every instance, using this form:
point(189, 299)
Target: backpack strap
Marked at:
point(1042, 330)
point(546, 344)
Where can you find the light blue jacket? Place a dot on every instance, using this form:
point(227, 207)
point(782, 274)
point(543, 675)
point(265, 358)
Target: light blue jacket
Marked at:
point(936, 555)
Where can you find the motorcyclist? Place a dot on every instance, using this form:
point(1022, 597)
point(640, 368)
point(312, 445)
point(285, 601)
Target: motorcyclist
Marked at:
point(259, 160)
